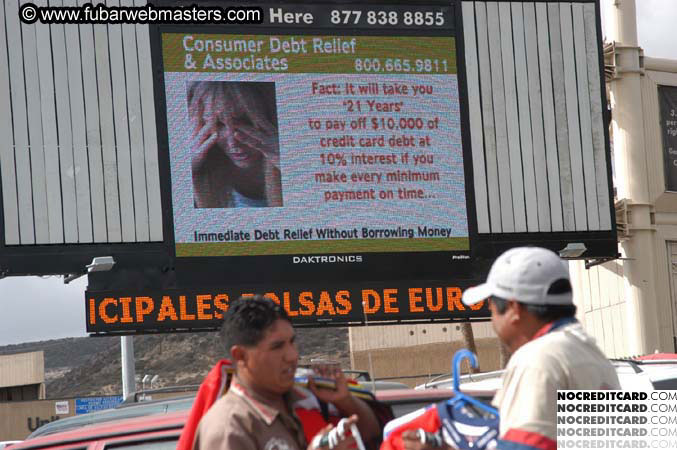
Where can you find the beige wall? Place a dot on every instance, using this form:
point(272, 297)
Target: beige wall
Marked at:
point(664, 217)
point(19, 419)
point(417, 350)
point(602, 291)
point(599, 294)
point(22, 369)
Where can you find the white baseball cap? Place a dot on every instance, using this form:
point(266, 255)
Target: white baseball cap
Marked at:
point(524, 274)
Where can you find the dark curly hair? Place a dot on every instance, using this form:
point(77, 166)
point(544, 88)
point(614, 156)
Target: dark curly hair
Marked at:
point(247, 320)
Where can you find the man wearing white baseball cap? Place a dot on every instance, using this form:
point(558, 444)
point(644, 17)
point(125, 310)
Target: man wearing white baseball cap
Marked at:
point(533, 314)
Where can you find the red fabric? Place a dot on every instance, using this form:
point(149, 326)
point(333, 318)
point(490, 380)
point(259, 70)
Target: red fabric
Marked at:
point(657, 356)
point(543, 330)
point(209, 391)
point(531, 439)
point(429, 421)
point(313, 422)
point(212, 388)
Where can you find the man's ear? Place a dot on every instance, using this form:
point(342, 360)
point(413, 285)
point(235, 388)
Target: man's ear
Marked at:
point(515, 310)
point(238, 353)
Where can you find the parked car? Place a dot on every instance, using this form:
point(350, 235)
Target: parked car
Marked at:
point(137, 405)
point(366, 382)
point(5, 444)
point(123, 411)
point(404, 401)
point(150, 432)
point(633, 375)
point(154, 427)
point(642, 375)
point(485, 381)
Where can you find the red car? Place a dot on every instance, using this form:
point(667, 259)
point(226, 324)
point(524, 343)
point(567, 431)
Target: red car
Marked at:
point(160, 431)
point(153, 432)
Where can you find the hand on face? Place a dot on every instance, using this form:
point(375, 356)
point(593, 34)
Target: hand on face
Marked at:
point(236, 123)
point(261, 135)
point(204, 134)
point(261, 141)
point(332, 372)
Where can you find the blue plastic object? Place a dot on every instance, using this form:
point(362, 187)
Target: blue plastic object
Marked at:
point(459, 397)
point(459, 356)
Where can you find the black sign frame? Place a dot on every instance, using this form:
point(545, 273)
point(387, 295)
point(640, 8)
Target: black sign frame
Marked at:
point(667, 110)
point(150, 267)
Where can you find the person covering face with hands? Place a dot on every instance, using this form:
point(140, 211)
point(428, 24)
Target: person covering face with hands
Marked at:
point(234, 144)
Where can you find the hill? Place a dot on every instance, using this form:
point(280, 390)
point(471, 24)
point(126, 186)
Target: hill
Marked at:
point(91, 365)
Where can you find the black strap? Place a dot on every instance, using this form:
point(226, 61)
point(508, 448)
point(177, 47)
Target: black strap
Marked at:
point(324, 409)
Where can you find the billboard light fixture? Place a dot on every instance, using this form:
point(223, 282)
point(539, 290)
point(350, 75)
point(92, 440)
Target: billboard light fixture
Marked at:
point(101, 264)
point(573, 250)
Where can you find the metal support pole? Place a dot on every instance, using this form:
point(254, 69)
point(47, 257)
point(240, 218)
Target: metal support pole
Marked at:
point(128, 366)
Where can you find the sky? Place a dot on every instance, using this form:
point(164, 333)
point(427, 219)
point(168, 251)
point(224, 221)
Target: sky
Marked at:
point(34, 308)
point(41, 308)
point(655, 27)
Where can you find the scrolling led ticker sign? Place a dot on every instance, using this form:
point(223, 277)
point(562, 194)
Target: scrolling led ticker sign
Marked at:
point(203, 309)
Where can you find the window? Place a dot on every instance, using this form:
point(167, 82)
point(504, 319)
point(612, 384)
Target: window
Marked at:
point(165, 444)
point(669, 384)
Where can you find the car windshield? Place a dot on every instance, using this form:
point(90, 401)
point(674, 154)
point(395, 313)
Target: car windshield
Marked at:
point(167, 444)
point(401, 409)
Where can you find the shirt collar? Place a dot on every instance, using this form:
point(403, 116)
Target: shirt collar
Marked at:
point(266, 411)
point(552, 326)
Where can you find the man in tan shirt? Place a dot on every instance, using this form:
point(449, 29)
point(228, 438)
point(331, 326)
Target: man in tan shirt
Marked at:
point(533, 314)
point(257, 412)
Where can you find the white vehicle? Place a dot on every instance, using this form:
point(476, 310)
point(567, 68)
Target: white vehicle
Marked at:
point(485, 381)
point(646, 375)
point(633, 375)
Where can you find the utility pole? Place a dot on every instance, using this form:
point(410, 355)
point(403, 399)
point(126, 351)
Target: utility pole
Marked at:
point(128, 366)
point(632, 177)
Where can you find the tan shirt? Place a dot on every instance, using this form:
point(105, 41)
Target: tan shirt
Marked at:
point(241, 420)
point(566, 358)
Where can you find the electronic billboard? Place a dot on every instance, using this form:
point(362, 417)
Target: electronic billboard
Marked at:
point(357, 161)
point(324, 157)
point(317, 158)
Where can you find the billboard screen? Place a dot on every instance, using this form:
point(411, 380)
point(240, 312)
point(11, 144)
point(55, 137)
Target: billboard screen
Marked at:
point(286, 144)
